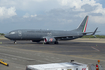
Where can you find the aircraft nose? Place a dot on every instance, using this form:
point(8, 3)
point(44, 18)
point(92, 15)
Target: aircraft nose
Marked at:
point(7, 35)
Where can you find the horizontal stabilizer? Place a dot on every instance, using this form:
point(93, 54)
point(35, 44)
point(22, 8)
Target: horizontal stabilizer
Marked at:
point(93, 33)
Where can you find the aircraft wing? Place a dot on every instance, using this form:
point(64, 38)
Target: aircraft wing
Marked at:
point(56, 37)
point(65, 37)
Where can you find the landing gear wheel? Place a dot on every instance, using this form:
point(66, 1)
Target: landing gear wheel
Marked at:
point(15, 42)
point(56, 42)
point(47, 43)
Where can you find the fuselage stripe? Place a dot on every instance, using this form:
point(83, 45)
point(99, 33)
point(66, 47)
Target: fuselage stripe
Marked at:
point(84, 29)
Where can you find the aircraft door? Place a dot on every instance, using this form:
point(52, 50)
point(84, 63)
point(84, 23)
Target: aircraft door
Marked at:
point(20, 34)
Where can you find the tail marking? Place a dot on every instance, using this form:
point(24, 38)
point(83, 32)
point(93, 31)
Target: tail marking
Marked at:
point(84, 29)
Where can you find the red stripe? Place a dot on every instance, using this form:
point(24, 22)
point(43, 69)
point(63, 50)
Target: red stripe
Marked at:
point(86, 25)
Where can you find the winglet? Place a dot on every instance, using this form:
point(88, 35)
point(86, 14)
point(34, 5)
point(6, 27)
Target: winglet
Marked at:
point(95, 31)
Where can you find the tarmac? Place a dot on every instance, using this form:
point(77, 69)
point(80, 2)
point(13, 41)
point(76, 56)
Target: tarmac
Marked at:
point(24, 53)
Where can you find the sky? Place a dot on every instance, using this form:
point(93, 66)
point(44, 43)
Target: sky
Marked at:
point(51, 14)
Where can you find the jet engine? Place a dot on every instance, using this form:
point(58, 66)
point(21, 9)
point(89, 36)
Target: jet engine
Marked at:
point(48, 40)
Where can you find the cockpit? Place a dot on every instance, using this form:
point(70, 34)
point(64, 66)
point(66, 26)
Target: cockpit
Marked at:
point(12, 32)
point(14, 35)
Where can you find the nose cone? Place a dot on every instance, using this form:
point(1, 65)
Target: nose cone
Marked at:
point(7, 35)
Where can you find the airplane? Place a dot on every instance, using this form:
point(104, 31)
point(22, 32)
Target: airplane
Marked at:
point(49, 36)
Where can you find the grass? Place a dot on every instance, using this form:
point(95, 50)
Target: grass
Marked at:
point(1, 36)
point(97, 36)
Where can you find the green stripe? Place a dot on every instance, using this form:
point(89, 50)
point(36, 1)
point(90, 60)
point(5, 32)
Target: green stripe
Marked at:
point(84, 25)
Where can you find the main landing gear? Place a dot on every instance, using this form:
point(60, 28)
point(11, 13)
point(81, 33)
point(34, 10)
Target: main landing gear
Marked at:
point(50, 42)
point(56, 42)
point(15, 42)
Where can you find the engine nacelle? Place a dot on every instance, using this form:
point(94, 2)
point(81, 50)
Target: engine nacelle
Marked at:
point(49, 40)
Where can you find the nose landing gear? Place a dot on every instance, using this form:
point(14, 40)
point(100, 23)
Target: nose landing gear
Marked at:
point(15, 42)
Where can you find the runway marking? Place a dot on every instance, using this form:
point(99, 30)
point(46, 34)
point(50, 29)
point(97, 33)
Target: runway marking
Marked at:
point(16, 56)
point(86, 58)
point(31, 54)
point(28, 59)
point(95, 48)
point(56, 54)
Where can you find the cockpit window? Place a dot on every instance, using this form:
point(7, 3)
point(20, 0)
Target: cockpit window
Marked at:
point(12, 32)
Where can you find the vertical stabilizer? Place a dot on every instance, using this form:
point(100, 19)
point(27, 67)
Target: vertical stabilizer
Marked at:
point(83, 25)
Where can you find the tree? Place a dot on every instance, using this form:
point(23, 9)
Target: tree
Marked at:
point(2, 34)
